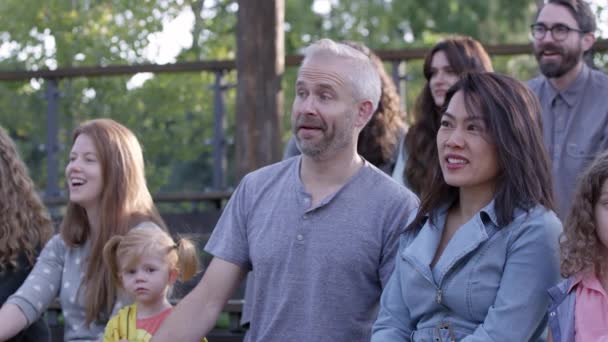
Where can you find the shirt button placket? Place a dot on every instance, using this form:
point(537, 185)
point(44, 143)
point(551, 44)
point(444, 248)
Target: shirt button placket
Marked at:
point(300, 236)
point(306, 201)
point(305, 218)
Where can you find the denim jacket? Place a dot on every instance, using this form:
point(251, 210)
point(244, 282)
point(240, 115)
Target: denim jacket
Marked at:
point(489, 284)
point(561, 311)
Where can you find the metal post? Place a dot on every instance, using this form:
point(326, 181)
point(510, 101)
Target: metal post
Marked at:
point(403, 91)
point(52, 139)
point(400, 78)
point(219, 160)
point(396, 76)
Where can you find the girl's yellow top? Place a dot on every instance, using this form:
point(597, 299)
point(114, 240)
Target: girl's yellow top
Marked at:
point(123, 326)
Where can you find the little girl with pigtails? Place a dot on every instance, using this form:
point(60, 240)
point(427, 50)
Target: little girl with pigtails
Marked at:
point(145, 263)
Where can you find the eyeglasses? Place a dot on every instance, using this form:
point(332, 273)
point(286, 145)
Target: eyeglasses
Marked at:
point(559, 32)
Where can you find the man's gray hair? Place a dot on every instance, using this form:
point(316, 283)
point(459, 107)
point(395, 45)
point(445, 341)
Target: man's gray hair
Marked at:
point(364, 77)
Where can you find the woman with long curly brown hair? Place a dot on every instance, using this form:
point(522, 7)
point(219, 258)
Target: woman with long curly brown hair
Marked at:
point(25, 227)
point(579, 304)
point(443, 65)
point(107, 196)
point(380, 139)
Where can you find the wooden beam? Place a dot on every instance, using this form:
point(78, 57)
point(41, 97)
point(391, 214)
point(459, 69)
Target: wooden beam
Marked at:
point(259, 101)
point(211, 196)
point(601, 45)
point(116, 70)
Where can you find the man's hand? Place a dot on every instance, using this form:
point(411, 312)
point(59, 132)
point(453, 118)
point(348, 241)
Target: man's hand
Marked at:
point(205, 303)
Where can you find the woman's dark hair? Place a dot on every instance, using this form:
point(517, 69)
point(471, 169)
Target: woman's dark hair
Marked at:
point(511, 113)
point(463, 54)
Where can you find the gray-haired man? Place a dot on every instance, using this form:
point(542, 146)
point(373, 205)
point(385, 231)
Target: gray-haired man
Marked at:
point(318, 231)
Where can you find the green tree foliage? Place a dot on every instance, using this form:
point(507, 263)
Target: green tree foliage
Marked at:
point(171, 114)
point(399, 24)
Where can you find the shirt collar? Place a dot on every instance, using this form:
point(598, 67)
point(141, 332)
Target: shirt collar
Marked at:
point(302, 190)
point(587, 279)
point(573, 92)
point(487, 212)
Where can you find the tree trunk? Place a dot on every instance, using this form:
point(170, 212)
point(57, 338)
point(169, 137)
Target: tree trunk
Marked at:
point(197, 9)
point(260, 65)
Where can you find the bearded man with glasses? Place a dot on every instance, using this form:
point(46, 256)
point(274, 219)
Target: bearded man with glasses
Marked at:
point(573, 96)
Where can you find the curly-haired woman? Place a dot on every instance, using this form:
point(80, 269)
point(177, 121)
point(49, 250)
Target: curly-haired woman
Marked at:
point(25, 226)
point(579, 304)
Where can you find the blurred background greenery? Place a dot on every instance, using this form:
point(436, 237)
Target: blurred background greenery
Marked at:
point(172, 114)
